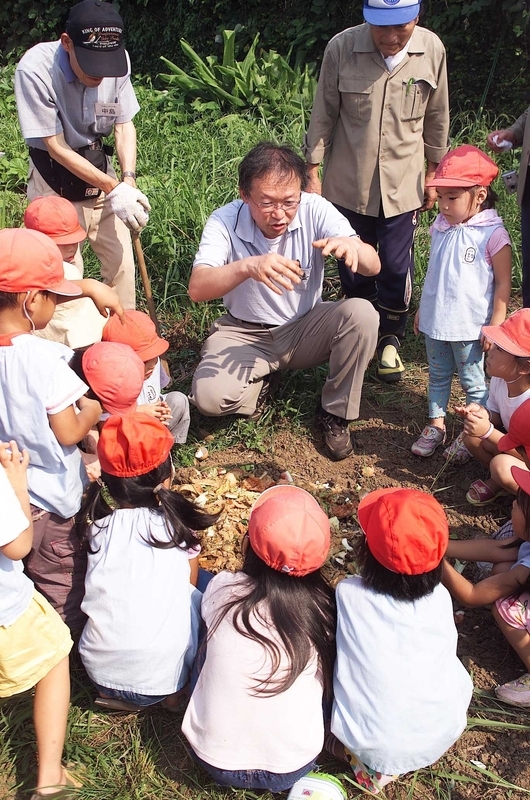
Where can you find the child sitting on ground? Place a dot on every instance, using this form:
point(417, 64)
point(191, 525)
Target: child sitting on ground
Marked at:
point(76, 323)
point(140, 639)
point(34, 641)
point(38, 398)
point(173, 408)
point(508, 588)
point(401, 693)
point(467, 286)
point(508, 364)
point(255, 716)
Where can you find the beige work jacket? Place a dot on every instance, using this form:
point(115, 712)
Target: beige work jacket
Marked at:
point(373, 129)
point(522, 137)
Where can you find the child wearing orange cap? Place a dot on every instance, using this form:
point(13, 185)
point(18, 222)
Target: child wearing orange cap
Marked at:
point(138, 331)
point(400, 692)
point(76, 323)
point(141, 634)
point(34, 641)
point(43, 408)
point(255, 717)
point(508, 364)
point(467, 285)
point(507, 589)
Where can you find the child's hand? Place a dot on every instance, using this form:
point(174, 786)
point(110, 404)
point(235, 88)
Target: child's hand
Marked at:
point(102, 296)
point(476, 420)
point(160, 410)
point(94, 405)
point(416, 322)
point(485, 344)
point(15, 464)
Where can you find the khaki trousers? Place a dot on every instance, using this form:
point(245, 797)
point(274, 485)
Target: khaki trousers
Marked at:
point(238, 355)
point(108, 236)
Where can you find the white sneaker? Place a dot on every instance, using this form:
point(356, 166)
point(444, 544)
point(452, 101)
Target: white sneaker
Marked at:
point(431, 438)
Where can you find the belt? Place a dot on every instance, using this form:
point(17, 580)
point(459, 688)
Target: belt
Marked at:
point(264, 325)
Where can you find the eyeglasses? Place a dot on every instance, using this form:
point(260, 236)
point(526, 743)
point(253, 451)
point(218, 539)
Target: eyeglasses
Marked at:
point(267, 208)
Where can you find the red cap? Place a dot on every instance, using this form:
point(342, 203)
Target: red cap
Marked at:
point(138, 331)
point(406, 530)
point(289, 531)
point(522, 478)
point(133, 444)
point(115, 373)
point(30, 260)
point(513, 335)
point(518, 430)
point(56, 217)
point(465, 166)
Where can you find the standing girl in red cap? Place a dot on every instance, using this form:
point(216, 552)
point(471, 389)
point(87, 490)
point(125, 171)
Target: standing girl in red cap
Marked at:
point(400, 692)
point(467, 285)
point(140, 639)
point(507, 589)
point(255, 718)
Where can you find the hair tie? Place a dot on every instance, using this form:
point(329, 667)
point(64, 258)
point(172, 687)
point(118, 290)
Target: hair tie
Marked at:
point(158, 487)
point(106, 495)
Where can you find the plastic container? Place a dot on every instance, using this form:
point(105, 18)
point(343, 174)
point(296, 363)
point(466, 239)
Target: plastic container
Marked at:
point(317, 786)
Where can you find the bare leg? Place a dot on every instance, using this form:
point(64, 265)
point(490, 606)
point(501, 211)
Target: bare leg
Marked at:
point(479, 449)
point(50, 712)
point(500, 467)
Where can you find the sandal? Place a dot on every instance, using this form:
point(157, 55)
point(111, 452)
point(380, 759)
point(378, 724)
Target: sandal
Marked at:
point(484, 494)
point(63, 792)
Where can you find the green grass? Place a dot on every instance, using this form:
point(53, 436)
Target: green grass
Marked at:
point(188, 167)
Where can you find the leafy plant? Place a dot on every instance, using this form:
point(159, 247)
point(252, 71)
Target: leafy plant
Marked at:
point(265, 83)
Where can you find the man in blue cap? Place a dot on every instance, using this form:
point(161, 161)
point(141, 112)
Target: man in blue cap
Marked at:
point(381, 113)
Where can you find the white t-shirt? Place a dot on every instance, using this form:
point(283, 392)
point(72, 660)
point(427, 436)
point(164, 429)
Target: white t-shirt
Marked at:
point(401, 693)
point(36, 382)
point(231, 234)
point(16, 589)
point(228, 725)
point(503, 405)
point(143, 613)
point(153, 385)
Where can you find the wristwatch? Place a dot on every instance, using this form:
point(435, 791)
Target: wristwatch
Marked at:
point(128, 174)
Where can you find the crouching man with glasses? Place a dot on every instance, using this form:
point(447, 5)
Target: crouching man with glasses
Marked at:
point(264, 255)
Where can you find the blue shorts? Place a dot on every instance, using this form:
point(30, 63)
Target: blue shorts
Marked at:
point(254, 778)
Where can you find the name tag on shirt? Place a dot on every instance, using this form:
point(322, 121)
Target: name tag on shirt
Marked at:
point(108, 109)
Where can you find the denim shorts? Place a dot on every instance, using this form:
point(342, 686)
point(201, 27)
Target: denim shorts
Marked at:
point(130, 697)
point(254, 778)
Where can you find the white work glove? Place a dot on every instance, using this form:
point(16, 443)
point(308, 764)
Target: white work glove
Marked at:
point(130, 205)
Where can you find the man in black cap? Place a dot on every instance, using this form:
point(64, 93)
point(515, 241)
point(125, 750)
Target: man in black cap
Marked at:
point(70, 95)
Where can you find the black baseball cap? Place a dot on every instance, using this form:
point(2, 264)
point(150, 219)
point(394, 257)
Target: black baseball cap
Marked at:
point(96, 30)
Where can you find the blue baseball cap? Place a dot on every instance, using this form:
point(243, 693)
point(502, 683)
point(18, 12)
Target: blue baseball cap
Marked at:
point(390, 12)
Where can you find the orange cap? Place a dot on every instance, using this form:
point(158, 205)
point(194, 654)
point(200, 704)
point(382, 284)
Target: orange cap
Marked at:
point(115, 373)
point(133, 444)
point(406, 530)
point(56, 217)
point(138, 331)
point(465, 166)
point(513, 335)
point(30, 260)
point(289, 531)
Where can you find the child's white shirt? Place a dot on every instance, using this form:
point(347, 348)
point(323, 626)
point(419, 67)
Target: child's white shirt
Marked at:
point(143, 614)
point(36, 381)
point(16, 589)
point(226, 723)
point(499, 401)
point(457, 296)
point(401, 693)
point(153, 385)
